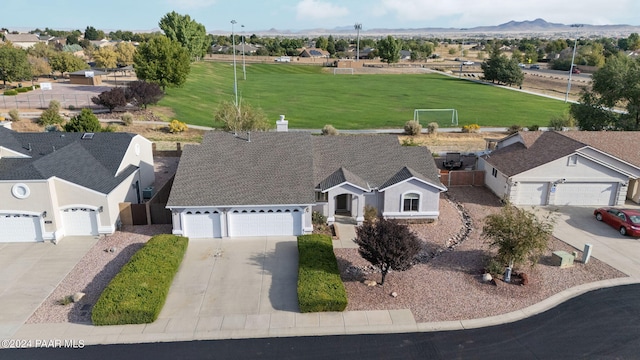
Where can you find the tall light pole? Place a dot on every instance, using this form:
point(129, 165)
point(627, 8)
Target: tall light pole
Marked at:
point(358, 27)
point(573, 58)
point(235, 77)
point(244, 39)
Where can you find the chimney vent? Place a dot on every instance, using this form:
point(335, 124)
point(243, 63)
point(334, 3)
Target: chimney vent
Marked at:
point(282, 125)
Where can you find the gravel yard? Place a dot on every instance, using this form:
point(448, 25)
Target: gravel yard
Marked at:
point(449, 286)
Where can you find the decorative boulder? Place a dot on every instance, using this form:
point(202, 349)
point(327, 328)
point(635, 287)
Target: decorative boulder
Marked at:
point(525, 279)
point(487, 277)
point(394, 294)
point(77, 296)
point(370, 283)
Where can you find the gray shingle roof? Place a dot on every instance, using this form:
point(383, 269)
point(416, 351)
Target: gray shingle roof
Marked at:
point(287, 167)
point(404, 174)
point(542, 147)
point(89, 163)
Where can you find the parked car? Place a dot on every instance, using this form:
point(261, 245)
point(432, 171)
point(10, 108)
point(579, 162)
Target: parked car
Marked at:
point(468, 63)
point(626, 221)
point(283, 59)
point(521, 65)
point(534, 67)
point(575, 70)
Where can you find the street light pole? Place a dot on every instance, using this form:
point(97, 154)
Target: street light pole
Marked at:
point(235, 77)
point(358, 27)
point(573, 58)
point(244, 39)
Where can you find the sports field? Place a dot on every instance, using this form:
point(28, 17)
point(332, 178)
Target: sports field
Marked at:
point(311, 98)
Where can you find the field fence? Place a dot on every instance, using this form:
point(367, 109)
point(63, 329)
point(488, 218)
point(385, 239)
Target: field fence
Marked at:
point(41, 100)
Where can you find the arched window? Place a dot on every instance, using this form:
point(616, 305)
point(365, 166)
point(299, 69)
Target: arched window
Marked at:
point(411, 202)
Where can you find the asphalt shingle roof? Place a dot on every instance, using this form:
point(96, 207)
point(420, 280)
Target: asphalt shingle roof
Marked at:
point(89, 163)
point(287, 167)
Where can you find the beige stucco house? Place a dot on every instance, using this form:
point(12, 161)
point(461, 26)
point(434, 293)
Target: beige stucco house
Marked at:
point(57, 184)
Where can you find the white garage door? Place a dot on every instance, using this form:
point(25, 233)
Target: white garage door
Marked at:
point(80, 222)
point(585, 194)
point(202, 224)
point(270, 222)
point(532, 193)
point(20, 228)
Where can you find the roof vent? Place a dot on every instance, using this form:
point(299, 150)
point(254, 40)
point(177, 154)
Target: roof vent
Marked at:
point(87, 136)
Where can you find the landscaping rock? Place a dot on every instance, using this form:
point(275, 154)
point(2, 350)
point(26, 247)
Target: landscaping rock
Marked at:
point(525, 279)
point(77, 296)
point(394, 294)
point(113, 249)
point(370, 283)
point(487, 277)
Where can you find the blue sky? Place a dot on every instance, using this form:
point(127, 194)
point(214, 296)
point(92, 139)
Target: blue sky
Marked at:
point(259, 15)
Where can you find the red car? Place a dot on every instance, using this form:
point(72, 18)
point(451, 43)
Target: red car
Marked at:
point(627, 221)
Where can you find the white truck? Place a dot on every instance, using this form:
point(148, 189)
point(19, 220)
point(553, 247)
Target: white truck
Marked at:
point(283, 59)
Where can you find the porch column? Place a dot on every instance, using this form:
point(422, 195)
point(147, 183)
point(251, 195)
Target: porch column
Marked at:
point(331, 204)
point(360, 209)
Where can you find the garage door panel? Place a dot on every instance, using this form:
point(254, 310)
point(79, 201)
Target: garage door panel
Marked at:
point(532, 193)
point(602, 194)
point(20, 228)
point(202, 224)
point(80, 222)
point(265, 223)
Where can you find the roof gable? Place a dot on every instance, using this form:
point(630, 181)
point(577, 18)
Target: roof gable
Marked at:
point(406, 174)
point(342, 176)
point(625, 145)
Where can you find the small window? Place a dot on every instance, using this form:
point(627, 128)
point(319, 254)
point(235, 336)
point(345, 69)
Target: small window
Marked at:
point(411, 202)
point(494, 172)
point(573, 160)
point(322, 197)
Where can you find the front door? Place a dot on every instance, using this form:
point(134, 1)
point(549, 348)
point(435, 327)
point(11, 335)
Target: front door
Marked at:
point(343, 204)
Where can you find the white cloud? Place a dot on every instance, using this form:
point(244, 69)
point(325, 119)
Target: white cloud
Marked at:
point(461, 13)
point(318, 10)
point(191, 4)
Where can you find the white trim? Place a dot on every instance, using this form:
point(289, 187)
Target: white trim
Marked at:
point(608, 155)
point(441, 188)
point(607, 165)
point(12, 154)
point(403, 197)
point(18, 189)
point(348, 183)
point(411, 214)
point(80, 186)
point(229, 207)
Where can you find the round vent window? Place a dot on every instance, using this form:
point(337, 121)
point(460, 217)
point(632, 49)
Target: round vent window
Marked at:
point(21, 191)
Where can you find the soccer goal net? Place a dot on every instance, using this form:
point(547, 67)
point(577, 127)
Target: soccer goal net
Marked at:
point(444, 117)
point(338, 71)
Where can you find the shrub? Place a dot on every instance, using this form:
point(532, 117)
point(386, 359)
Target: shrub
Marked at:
point(51, 115)
point(329, 130)
point(534, 128)
point(514, 129)
point(176, 126)
point(494, 267)
point(409, 142)
point(471, 128)
point(86, 121)
point(370, 213)
point(143, 93)
point(110, 128)
point(127, 119)
point(560, 122)
point(138, 292)
point(2, 118)
point(14, 114)
point(317, 218)
point(412, 127)
point(111, 99)
point(71, 107)
point(432, 128)
point(10, 93)
point(319, 285)
point(22, 90)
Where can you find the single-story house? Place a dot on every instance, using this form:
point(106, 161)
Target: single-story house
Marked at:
point(57, 184)
point(594, 168)
point(314, 53)
point(23, 41)
point(270, 183)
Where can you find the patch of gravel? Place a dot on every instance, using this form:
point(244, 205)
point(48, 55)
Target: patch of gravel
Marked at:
point(93, 273)
point(447, 283)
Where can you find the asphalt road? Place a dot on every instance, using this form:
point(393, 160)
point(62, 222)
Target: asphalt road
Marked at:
point(602, 324)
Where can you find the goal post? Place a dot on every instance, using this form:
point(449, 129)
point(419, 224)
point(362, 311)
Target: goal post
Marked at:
point(444, 117)
point(348, 71)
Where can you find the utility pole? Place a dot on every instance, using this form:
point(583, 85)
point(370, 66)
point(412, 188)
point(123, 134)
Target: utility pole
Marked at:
point(244, 39)
point(235, 77)
point(573, 58)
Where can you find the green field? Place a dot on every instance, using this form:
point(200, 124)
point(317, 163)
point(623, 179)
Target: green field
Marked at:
point(311, 98)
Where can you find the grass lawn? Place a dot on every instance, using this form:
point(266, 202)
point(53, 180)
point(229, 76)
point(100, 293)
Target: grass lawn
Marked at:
point(311, 98)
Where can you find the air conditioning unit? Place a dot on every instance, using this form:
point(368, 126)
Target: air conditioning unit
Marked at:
point(147, 193)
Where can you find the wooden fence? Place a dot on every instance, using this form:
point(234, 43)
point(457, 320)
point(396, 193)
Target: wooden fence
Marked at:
point(462, 178)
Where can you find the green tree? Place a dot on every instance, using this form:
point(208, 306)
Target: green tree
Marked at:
point(39, 66)
point(162, 61)
point(72, 39)
point(633, 41)
point(519, 235)
point(243, 118)
point(331, 46)
point(616, 84)
point(14, 64)
point(86, 121)
point(91, 33)
point(41, 50)
point(106, 57)
point(125, 52)
point(67, 62)
point(389, 50)
point(51, 116)
point(387, 244)
point(321, 43)
point(191, 34)
point(560, 122)
point(498, 68)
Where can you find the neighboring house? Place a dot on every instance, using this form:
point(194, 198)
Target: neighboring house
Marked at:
point(269, 183)
point(57, 184)
point(405, 55)
point(565, 168)
point(24, 41)
point(87, 77)
point(314, 53)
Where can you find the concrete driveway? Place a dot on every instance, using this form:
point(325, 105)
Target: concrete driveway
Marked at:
point(29, 272)
point(577, 226)
point(243, 276)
